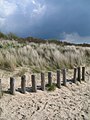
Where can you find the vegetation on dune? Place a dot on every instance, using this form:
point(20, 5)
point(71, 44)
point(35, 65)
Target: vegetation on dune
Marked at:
point(12, 36)
point(41, 55)
point(51, 87)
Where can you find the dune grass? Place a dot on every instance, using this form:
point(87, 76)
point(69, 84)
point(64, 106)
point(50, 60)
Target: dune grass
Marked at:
point(51, 87)
point(39, 57)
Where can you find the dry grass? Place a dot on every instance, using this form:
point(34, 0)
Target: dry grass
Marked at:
point(41, 56)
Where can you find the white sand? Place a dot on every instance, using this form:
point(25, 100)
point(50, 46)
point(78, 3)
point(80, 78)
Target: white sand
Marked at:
point(68, 103)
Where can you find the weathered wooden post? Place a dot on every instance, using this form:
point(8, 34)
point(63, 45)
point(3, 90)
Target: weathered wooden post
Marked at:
point(58, 79)
point(49, 78)
point(83, 73)
point(75, 75)
point(12, 87)
point(23, 84)
point(0, 89)
point(64, 77)
point(34, 86)
point(42, 81)
point(79, 74)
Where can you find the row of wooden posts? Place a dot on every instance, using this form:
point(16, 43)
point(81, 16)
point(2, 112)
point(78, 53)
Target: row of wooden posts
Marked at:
point(79, 74)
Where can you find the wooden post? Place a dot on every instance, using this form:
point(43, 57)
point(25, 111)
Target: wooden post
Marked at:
point(79, 74)
point(75, 77)
point(58, 79)
point(12, 87)
point(83, 73)
point(0, 89)
point(42, 81)
point(50, 78)
point(64, 77)
point(23, 84)
point(34, 86)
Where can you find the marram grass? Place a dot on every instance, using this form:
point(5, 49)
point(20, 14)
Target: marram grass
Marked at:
point(41, 56)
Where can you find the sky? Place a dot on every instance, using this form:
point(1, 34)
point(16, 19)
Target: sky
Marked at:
point(67, 20)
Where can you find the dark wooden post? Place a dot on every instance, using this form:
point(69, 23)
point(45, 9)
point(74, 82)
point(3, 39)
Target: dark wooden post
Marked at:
point(34, 86)
point(50, 78)
point(75, 77)
point(83, 73)
point(0, 89)
point(12, 87)
point(58, 79)
point(42, 81)
point(64, 77)
point(79, 74)
point(23, 84)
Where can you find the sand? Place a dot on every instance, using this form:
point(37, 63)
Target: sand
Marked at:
point(68, 103)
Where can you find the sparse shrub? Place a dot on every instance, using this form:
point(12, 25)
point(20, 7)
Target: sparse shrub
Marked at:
point(21, 72)
point(12, 36)
point(51, 87)
point(2, 35)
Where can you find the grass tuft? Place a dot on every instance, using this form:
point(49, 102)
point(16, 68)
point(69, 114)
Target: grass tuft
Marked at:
point(51, 87)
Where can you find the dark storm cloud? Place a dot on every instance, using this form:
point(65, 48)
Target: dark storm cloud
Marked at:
point(47, 18)
point(68, 16)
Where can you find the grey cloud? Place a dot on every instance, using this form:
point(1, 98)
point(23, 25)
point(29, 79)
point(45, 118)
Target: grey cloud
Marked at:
point(75, 38)
point(50, 18)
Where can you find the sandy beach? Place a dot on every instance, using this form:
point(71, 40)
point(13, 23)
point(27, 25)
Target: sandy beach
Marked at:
point(68, 103)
